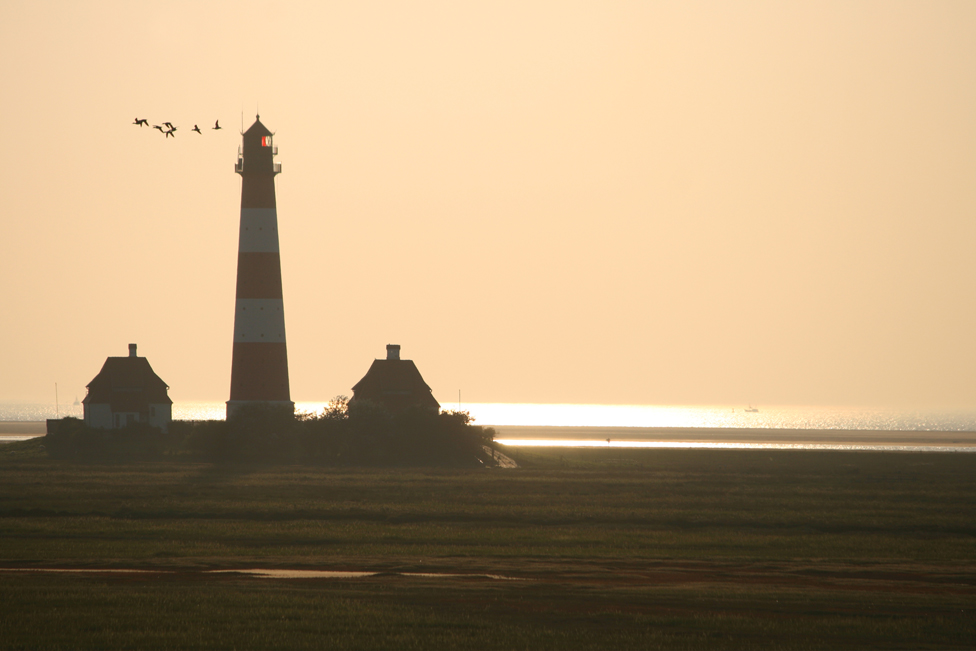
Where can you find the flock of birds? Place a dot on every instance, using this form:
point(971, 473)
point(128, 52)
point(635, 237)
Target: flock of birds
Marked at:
point(170, 130)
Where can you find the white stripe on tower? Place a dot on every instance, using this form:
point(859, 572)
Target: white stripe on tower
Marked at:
point(259, 230)
point(259, 320)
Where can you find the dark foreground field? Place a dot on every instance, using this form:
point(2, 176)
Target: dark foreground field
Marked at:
point(588, 549)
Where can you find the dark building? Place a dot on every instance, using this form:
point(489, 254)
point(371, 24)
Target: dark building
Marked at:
point(259, 370)
point(395, 384)
point(127, 391)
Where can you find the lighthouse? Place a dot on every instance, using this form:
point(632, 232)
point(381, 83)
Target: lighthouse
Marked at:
point(259, 370)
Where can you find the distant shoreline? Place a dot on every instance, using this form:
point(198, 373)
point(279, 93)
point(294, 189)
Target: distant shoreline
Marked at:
point(744, 435)
point(19, 429)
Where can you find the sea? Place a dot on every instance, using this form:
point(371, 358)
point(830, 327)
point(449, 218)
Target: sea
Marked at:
point(801, 417)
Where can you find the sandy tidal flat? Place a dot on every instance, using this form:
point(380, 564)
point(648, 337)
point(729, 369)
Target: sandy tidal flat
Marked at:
point(741, 435)
point(19, 429)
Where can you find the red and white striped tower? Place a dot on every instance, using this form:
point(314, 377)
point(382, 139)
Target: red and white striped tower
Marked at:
point(259, 371)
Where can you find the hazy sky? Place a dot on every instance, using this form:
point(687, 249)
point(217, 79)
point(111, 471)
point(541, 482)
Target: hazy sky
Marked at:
point(603, 202)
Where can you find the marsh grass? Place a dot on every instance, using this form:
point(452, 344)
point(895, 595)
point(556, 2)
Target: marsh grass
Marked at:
point(625, 549)
point(231, 612)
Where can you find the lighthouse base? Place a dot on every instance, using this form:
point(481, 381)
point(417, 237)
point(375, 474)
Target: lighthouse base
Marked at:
point(235, 407)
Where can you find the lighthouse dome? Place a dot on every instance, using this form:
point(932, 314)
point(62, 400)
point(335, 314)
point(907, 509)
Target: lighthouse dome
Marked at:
point(257, 152)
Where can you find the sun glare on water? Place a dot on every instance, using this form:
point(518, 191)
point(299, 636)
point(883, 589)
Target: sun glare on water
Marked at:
point(567, 415)
point(503, 414)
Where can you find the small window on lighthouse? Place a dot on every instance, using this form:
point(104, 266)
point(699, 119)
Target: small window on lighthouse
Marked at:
point(265, 141)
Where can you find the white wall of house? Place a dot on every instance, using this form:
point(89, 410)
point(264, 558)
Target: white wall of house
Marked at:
point(122, 419)
point(99, 416)
point(102, 416)
point(160, 415)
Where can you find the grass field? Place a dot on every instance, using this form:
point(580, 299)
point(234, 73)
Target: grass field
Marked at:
point(609, 548)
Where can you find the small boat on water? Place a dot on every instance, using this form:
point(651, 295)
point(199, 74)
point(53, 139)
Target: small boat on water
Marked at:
point(752, 410)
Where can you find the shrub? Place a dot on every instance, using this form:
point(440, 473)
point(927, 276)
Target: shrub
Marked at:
point(70, 438)
point(362, 434)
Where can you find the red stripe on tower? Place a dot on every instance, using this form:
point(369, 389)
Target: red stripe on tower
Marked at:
point(259, 371)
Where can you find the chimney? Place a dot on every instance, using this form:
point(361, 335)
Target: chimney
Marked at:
point(132, 350)
point(393, 351)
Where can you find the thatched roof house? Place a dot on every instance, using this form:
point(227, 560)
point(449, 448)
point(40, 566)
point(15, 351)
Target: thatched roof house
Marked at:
point(395, 384)
point(127, 391)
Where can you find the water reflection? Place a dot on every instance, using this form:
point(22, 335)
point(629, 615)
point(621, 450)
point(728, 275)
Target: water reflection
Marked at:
point(823, 417)
point(333, 574)
point(718, 416)
point(497, 414)
point(270, 573)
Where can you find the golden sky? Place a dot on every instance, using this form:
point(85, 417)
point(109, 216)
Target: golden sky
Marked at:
point(601, 202)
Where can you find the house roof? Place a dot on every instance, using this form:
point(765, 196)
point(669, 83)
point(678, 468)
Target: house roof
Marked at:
point(396, 384)
point(127, 384)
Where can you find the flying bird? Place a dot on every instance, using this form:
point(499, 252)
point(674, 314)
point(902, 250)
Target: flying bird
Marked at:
point(156, 126)
point(171, 132)
point(217, 125)
point(197, 129)
point(141, 122)
point(169, 125)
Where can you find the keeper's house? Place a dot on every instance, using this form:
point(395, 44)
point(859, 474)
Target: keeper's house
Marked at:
point(394, 383)
point(127, 391)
